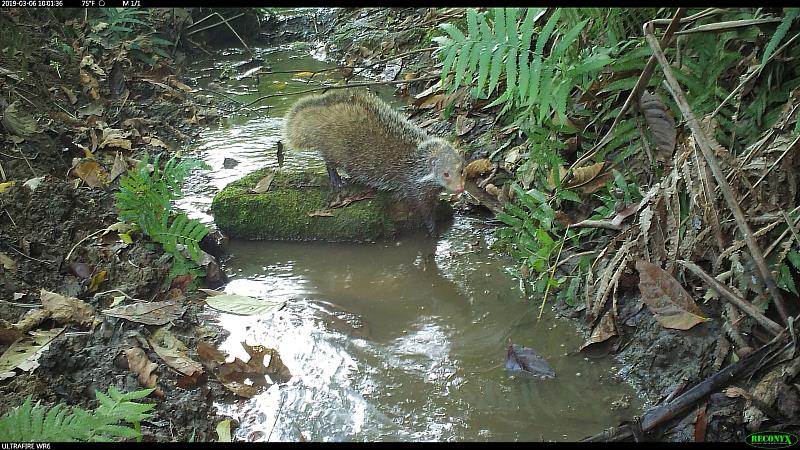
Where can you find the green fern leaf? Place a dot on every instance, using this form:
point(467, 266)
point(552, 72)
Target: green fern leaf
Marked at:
point(535, 78)
point(511, 26)
point(511, 71)
point(472, 22)
point(461, 64)
point(524, 75)
point(544, 35)
point(500, 25)
point(568, 39)
point(780, 33)
point(496, 67)
point(453, 31)
point(450, 57)
point(483, 68)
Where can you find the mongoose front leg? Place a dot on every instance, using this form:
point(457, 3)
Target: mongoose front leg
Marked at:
point(336, 181)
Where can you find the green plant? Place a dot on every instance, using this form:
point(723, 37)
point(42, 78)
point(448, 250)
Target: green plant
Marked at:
point(144, 199)
point(538, 80)
point(125, 28)
point(37, 423)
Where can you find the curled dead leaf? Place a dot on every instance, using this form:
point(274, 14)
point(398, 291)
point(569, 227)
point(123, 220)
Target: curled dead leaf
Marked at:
point(66, 309)
point(478, 167)
point(92, 173)
point(143, 368)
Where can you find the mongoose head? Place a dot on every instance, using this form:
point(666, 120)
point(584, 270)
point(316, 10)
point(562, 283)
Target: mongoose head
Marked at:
point(446, 164)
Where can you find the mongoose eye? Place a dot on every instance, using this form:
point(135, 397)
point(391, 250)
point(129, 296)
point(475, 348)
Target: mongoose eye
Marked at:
point(447, 174)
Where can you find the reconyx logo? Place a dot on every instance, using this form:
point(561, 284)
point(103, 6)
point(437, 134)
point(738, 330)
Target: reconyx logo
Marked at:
point(771, 439)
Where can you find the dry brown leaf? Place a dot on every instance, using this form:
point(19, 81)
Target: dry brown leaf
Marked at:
point(7, 263)
point(92, 173)
point(120, 167)
point(66, 309)
point(148, 313)
point(91, 85)
point(263, 184)
point(464, 125)
point(430, 101)
point(210, 355)
point(70, 95)
point(113, 137)
point(666, 298)
point(319, 214)
point(477, 167)
point(143, 368)
point(661, 124)
point(605, 329)
point(352, 199)
point(174, 352)
point(25, 352)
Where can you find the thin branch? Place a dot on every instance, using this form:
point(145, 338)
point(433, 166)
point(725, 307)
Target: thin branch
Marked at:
point(708, 152)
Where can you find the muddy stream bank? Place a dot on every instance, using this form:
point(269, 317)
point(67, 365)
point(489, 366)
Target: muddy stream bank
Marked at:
point(395, 340)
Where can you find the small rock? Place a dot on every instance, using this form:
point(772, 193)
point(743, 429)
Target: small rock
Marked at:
point(229, 163)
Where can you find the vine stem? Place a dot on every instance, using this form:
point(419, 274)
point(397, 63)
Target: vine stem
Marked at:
point(552, 274)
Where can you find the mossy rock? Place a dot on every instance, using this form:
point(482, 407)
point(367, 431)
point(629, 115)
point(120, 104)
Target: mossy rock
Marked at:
point(282, 213)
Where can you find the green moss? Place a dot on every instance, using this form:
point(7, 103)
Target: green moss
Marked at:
point(282, 212)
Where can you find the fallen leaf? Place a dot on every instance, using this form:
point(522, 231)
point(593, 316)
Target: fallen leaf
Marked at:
point(155, 142)
point(91, 85)
point(352, 199)
point(17, 123)
point(224, 431)
point(661, 124)
point(246, 379)
point(210, 292)
point(210, 355)
point(464, 125)
point(24, 353)
point(113, 137)
point(477, 167)
point(120, 167)
point(143, 368)
point(173, 352)
point(97, 279)
point(91, 173)
point(66, 309)
point(6, 185)
point(8, 263)
point(305, 74)
point(70, 95)
point(148, 313)
point(605, 329)
point(242, 304)
point(525, 359)
point(263, 184)
point(666, 298)
point(320, 214)
point(430, 101)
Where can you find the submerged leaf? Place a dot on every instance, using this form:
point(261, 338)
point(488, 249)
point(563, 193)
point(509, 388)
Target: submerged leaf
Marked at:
point(664, 296)
point(527, 360)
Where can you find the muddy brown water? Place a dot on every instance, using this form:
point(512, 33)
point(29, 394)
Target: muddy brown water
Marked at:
point(396, 340)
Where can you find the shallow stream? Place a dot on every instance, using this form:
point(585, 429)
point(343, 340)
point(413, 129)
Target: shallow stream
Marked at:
point(397, 340)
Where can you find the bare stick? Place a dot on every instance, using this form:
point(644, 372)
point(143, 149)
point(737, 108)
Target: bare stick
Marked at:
point(706, 148)
point(739, 302)
point(552, 273)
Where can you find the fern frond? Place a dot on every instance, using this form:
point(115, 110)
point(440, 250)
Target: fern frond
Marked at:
point(780, 33)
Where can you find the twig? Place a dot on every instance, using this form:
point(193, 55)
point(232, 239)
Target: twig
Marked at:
point(660, 414)
point(116, 290)
point(225, 21)
point(739, 302)
point(81, 241)
point(725, 26)
point(552, 273)
point(209, 26)
point(706, 148)
point(635, 94)
point(344, 86)
point(43, 261)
